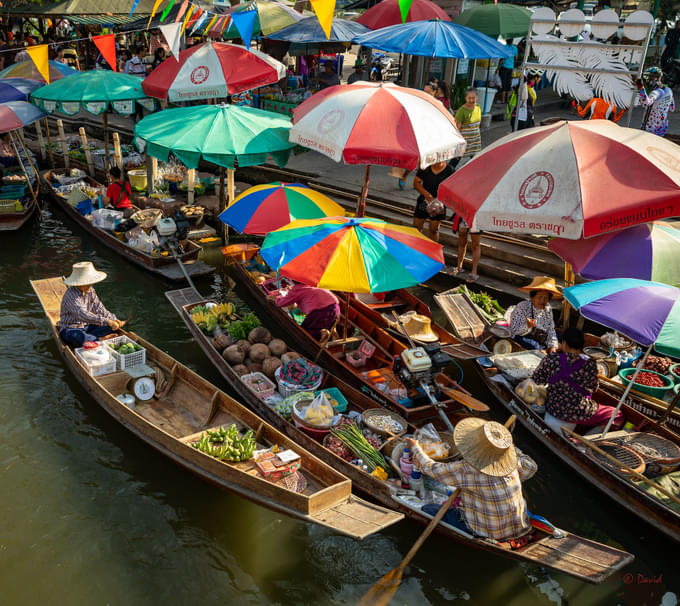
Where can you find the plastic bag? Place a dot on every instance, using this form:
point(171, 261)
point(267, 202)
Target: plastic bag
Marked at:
point(431, 442)
point(531, 393)
point(320, 412)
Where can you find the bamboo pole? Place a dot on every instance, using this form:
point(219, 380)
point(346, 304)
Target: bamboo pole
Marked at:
point(64, 146)
point(149, 175)
point(23, 168)
point(222, 206)
point(86, 150)
point(118, 154)
point(41, 141)
point(154, 170)
point(231, 194)
point(191, 176)
point(107, 162)
point(28, 157)
point(361, 202)
point(49, 143)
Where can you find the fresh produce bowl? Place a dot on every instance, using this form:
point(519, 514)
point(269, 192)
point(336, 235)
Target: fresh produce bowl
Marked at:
point(383, 422)
point(674, 372)
point(318, 432)
point(656, 392)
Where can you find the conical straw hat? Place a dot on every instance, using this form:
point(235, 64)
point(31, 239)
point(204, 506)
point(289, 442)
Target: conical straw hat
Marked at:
point(417, 327)
point(542, 283)
point(84, 274)
point(486, 446)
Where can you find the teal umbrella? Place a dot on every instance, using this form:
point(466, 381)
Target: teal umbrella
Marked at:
point(222, 134)
point(507, 20)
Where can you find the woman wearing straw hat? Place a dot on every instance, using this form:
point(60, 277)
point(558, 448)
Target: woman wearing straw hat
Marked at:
point(531, 322)
point(489, 476)
point(83, 316)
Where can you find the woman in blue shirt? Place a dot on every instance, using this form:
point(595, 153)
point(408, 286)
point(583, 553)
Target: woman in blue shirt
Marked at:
point(505, 68)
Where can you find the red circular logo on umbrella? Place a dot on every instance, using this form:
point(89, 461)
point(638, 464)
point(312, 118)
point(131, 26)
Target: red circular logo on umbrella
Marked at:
point(200, 74)
point(665, 158)
point(330, 121)
point(536, 189)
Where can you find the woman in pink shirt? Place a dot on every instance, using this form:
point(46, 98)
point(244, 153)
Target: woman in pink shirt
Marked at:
point(320, 307)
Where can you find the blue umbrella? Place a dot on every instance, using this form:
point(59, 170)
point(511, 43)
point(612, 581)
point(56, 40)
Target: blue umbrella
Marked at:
point(308, 31)
point(17, 89)
point(433, 38)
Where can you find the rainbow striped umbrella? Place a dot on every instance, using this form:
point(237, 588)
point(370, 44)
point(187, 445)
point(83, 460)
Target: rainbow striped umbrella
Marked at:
point(27, 69)
point(647, 252)
point(264, 208)
point(352, 255)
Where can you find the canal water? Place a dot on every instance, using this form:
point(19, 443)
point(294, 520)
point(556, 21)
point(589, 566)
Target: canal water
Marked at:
point(91, 515)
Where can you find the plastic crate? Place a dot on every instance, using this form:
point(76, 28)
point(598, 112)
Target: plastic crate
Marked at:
point(97, 369)
point(10, 206)
point(336, 394)
point(264, 387)
point(126, 360)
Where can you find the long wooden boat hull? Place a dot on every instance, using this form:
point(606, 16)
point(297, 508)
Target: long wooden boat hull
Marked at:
point(15, 221)
point(573, 555)
point(170, 422)
point(165, 267)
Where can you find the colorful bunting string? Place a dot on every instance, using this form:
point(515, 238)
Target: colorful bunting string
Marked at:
point(182, 10)
point(156, 4)
point(39, 56)
point(324, 10)
point(404, 8)
point(187, 17)
point(166, 10)
point(244, 22)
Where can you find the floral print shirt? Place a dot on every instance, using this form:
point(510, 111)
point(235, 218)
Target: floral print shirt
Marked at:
point(661, 102)
point(543, 317)
point(563, 401)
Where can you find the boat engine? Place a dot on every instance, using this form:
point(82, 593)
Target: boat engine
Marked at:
point(171, 232)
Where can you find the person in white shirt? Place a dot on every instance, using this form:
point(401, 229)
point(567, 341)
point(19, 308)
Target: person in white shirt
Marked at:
point(136, 65)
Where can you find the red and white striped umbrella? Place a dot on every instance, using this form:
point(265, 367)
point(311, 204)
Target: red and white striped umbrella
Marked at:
point(372, 123)
point(212, 70)
point(568, 179)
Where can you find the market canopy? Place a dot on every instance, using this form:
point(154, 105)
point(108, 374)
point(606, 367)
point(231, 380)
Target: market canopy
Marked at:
point(434, 38)
point(309, 31)
point(27, 69)
point(225, 135)
point(271, 17)
point(507, 20)
point(388, 12)
point(17, 89)
point(17, 114)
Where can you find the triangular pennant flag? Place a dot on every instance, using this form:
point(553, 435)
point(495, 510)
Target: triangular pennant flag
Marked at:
point(324, 10)
point(212, 22)
point(227, 23)
point(172, 32)
point(405, 7)
point(107, 47)
point(244, 22)
point(153, 11)
point(215, 26)
point(166, 10)
point(134, 7)
point(181, 11)
point(39, 56)
point(192, 8)
point(199, 22)
point(196, 15)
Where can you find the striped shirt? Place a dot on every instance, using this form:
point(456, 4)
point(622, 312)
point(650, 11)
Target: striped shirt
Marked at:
point(469, 123)
point(491, 506)
point(78, 309)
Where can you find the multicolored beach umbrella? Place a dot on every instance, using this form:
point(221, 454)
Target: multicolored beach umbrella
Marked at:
point(15, 114)
point(17, 89)
point(27, 69)
point(647, 312)
point(648, 252)
point(264, 208)
point(352, 255)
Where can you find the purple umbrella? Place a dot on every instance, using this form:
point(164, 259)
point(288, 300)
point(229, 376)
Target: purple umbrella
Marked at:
point(17, 89)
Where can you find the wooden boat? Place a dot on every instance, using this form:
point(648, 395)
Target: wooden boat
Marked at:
point(190, 405)
point(378, 368)
point(612, 482)
point(164, 266)
point(573, 555)
point(12, 221)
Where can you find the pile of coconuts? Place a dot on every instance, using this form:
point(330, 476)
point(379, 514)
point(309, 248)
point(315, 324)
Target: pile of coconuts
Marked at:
point(258, 353)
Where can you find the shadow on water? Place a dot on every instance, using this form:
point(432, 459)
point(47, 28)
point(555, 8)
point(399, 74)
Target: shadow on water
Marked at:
point(92, 515)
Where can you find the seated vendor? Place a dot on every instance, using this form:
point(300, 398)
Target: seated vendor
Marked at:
point(320, 307)
point(83, 317)
point(7, 155)
point(328, 77)
point(531, 322)
point(572, 379)
point(119, 193)
point(489, 476)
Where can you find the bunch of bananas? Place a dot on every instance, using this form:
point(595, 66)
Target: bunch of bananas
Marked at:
point(227, 444)
point(206, 321)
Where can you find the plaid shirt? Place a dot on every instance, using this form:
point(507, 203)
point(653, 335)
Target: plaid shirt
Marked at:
point(78, 309)
point(491, 506)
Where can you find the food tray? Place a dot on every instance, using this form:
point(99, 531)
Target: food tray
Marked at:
point(96, 370)
point(366, 419)
point(126, 360)
point(259, 384)
point(506, 363)
point(653, 448)
point(623, 454)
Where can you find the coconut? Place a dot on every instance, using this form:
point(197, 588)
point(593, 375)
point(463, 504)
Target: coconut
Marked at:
point(253, 366)
point(244, 346)
point(259, 335)
point(258, 352)
point(290, 356)
point(241, 369)
point(234, 355)
point(222, 341)
point(270, 365)
point(277, 347)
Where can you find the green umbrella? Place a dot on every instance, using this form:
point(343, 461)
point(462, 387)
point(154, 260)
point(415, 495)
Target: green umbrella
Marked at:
point(221, 134)
point(507, 20)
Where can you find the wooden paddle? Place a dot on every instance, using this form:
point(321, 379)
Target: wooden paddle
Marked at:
point(465, 399)
point(383, 591)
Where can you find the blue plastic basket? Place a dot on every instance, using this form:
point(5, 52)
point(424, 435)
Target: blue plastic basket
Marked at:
point(336, 394)
point(84, 207)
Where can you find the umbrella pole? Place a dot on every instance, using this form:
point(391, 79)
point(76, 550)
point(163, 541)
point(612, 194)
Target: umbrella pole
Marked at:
point(670, 408)
point(23, 169)
point(640, 365)
point(361, 202)
point(106, 139)
point(49, 143)
point(222, 205)
point(346, 315)
point(566, 308)
point(230, 195)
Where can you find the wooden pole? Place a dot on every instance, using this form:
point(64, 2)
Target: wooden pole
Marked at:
point(64, 146)
point(105, 118)
point(346, 315)
point(118, 154)
point(41, 141)
point(28, 157)
point(23, 168)
point(191, 176)
point(86, 149)
point(49, 143)
point(361, 202)
point(222, 206)
point(154, 170)
point(569, 278)
point(149, 175)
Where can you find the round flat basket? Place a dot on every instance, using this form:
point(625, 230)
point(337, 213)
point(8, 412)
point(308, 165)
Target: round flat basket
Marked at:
point(447, 438)
point(653, 448)
point(622, 454)
point(383, 422)
point(300, 422)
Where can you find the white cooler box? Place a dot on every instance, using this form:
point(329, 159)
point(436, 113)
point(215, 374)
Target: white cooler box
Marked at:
point(105, 218)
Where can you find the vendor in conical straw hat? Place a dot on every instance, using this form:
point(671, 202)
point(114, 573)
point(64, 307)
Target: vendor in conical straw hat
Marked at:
point(83, 316)
point(489, 476)
point(531, 322)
